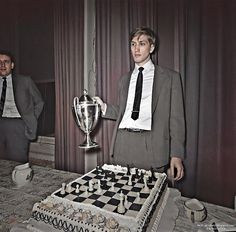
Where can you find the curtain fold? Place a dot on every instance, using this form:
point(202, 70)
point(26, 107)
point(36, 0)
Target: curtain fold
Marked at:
point(68, 58)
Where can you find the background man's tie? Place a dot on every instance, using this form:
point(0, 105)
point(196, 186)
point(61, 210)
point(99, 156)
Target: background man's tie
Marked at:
point(138, 95)
point(3, 96)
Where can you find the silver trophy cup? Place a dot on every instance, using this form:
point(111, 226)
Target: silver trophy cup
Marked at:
point(87, 113)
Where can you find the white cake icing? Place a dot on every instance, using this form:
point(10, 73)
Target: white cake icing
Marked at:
point(66, 214)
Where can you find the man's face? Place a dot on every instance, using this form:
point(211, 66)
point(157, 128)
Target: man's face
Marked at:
point(6, 65)
point(141, 49)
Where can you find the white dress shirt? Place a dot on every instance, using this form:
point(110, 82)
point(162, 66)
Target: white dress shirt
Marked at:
point(10, 109)
point(144, 121)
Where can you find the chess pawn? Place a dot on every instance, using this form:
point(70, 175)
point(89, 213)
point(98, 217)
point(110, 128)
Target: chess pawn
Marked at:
point(130, 180)
point(121, 207)
point(77, 189)
point(63, 187)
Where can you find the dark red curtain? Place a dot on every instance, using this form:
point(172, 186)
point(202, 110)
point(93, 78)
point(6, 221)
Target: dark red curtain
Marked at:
point(197, 38)
point(69, 81)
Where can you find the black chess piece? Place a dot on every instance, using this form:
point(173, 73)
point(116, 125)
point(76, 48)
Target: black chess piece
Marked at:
point(153, 174)
point(136, 173)
point(128, 170)
point(141, 177)
point(97, 170)
point(113, 177)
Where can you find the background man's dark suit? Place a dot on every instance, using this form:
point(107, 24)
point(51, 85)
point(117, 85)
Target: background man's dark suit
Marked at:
point(29, 103)
point(167, 137)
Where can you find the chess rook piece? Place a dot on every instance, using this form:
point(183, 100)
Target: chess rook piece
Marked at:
point(87, 113)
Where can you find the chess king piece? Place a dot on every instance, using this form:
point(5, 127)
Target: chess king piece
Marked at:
point(87, 114)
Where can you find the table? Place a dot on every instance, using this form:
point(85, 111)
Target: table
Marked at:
point(16, 204)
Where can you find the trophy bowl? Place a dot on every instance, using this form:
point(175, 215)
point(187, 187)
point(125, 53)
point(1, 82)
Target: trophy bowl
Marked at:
point(87, 114)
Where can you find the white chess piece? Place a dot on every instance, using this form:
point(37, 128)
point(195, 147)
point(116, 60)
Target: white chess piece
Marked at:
point(138, 197)
point(126, 203)
point(77, 189)
point(91, 185)
point(146, 188)
point(99, 187)
point(130, 180)
point(112, 186)
point(63, 188)
point(68, 188)
point(121, 207)
point(86, 191)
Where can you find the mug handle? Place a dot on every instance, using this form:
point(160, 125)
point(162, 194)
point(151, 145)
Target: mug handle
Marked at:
point(192, 216)
point(14, 175)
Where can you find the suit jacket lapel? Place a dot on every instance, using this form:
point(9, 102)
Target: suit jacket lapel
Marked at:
point(157, 85)
point(125, 90)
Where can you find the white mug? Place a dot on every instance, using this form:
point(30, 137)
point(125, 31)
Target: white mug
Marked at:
point(195, 210)
point(22, 174)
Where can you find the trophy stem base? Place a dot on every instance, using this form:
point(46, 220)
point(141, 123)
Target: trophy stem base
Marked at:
point(88, 143)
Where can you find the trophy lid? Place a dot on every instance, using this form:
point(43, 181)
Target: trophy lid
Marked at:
point(85, 97)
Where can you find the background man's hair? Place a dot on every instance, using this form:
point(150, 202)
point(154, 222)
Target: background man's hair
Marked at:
point(7, 53)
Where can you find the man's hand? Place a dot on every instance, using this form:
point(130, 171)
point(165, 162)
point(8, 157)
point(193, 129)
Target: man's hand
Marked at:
point(100, 102)
point(176, 164)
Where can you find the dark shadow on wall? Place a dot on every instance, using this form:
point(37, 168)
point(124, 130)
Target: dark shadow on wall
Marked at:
point(46, 123)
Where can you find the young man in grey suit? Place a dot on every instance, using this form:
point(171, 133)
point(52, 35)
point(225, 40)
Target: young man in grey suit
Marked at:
point(152, 135)
point(20, 106)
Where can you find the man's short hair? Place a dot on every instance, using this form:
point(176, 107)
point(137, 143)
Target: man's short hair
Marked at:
point(152, 38)
point(7, 53)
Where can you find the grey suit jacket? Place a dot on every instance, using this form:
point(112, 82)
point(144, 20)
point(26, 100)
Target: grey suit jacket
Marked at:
point(28, 102)
point(167, 137)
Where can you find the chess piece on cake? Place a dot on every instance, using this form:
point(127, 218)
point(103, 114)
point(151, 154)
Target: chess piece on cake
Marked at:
point(121, 207)
point(63, 188)
point(99, 190)
point(91, 186)
point(77, 189)
point(130, 181)
point(128, 170)
point(146, 188)
point(68, 188)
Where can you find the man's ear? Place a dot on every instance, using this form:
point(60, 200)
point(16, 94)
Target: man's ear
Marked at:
point(152, 48)
point(12, 65)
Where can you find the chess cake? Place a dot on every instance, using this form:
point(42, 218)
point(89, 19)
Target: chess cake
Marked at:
point(108, 198)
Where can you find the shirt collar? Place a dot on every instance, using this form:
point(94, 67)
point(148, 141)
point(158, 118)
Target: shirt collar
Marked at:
point(147, 66)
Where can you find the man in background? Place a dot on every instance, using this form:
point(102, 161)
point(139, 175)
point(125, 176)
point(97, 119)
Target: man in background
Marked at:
point(150, 119)
point(20, 106)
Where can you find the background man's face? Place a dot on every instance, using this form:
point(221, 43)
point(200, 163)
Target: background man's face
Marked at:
point(141, 49)
point(6, 65)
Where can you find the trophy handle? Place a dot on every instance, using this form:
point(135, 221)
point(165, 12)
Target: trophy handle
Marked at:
point(75, 103)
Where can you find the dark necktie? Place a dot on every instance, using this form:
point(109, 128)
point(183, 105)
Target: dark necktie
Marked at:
point(3, 96)
point(138, 95)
